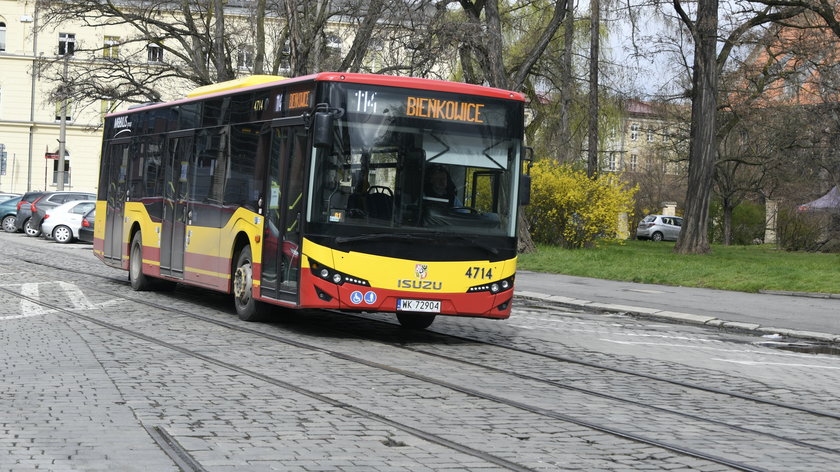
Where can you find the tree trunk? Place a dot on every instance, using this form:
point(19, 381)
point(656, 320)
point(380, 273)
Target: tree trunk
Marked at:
point(567, 85)
point(219, 41)
point(694, 237)
point(727, 222)
point(594, 52)
point(259, 59)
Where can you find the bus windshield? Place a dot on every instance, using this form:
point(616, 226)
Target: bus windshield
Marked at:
point(418, 163)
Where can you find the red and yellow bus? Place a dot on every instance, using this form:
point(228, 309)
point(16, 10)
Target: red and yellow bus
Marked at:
point(353, 192)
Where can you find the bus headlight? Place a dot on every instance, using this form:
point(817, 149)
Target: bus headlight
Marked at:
point(498, 286)
point(331, 275)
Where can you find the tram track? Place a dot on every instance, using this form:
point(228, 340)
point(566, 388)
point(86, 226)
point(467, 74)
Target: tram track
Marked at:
point(549, 356)
point(423, 378)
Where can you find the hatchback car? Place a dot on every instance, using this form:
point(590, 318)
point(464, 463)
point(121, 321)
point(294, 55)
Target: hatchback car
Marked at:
point(63, 222)
point(659, 228)
point(49, 201)
point(8, 212)
point(5, 196)
point(86, 231)
point(24, 209)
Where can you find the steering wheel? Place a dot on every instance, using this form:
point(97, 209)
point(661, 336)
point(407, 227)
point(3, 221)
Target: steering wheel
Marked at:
point(380, 189)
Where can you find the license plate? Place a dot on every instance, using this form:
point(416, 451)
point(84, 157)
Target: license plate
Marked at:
point(423, 306)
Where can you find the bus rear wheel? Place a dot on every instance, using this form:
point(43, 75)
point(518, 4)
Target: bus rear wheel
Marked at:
point(247, 307)
point(139, 281)
point(415, 320)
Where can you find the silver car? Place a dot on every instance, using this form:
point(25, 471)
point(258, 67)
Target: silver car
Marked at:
point(659, 228)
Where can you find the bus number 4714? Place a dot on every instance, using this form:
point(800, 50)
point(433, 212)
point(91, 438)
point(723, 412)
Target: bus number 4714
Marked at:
point(479, 273)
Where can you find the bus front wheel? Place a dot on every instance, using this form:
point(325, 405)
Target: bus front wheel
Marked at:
point(247, 307)
point(415, 320)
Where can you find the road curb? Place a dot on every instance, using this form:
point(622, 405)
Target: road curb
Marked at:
point(685, 318)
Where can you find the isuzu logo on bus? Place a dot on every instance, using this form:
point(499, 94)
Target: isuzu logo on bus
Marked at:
point(421, 271)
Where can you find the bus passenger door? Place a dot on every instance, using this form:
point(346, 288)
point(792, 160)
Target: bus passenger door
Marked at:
point(285, 201)
point(175, 211)
point(117, 170)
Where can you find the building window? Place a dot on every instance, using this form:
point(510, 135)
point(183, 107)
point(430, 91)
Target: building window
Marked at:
point(634, 132)
point(155, 52)
point(66, 44)
point(68, 114)
point(634, 162)
point(650, 135)
point(612, 163)
point(333, 41)
point(2, 36)
point(111, 48)
point(66, 169)
point(245, 57)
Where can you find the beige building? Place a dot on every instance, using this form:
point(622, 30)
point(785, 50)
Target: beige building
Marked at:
point(29, 120)
point(646, 140)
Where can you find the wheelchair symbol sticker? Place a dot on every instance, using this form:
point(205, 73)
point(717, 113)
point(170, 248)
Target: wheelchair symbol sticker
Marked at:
point(370, 298)
point(356, 297)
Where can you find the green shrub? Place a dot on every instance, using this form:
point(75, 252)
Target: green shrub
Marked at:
point(747, 223)
point(571, 210)
point(800, 231)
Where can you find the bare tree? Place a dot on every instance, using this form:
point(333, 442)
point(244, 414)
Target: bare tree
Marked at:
point(199, 41)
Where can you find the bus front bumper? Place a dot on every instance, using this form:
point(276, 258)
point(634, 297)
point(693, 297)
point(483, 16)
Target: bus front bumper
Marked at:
point(319, 293)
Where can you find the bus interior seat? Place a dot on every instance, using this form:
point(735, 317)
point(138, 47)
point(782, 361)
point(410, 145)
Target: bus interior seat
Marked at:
point(380, 205)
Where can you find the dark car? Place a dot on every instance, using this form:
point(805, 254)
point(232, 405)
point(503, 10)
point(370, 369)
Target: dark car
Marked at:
point(8, 211)
point(86, 231)
point(24, 209)
point(47, 202)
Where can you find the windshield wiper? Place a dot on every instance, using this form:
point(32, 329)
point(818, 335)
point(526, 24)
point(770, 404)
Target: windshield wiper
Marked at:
point(380, 236)
point(473, 241)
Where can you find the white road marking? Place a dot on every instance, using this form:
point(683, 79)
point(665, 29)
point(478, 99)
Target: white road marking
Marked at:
point(77, 298)
point(28, 308)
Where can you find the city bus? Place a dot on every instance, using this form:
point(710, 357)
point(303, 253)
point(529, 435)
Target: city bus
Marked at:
point(318, 192)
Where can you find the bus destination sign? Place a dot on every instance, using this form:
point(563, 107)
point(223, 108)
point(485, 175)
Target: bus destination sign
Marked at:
point(458, 109)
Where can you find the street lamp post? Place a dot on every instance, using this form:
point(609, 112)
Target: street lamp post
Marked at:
point(62, 129)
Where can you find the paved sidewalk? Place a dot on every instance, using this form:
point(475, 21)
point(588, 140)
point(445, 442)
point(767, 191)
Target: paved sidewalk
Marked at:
point(810, 316)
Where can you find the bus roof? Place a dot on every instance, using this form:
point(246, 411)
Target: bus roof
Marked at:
point(267, 81)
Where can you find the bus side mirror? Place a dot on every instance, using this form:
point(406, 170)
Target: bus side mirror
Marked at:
point(525, 189)
point(525, 179)
point(323, 123)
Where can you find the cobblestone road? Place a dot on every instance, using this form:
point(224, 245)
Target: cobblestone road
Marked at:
point(98, 391)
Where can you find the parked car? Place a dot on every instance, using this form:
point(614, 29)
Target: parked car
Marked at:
point(8, 212)
point(5, 196)
point(24, 209)
point(86, 231)
point(63, 222)
point(48, 201)
point(659, 228)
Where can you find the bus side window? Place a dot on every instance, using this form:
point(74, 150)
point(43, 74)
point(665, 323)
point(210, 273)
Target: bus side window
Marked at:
point(243, 182)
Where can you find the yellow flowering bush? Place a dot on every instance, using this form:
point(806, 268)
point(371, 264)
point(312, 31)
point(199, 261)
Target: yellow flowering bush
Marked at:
point(571, 210)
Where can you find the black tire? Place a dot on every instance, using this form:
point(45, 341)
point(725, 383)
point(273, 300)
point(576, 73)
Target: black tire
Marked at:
point(657, 236)
point(139, 281)
point(62, 234)
point(415, 320)
point(30, 230)
point(9, 224)
point(247, 307)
